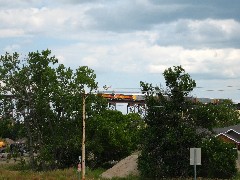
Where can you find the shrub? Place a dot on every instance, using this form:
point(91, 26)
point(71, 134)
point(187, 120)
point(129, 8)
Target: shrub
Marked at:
point(218, 159)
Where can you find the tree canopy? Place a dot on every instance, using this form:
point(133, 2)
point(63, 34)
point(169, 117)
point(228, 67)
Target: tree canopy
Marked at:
point(175, 124)
point(44, 98)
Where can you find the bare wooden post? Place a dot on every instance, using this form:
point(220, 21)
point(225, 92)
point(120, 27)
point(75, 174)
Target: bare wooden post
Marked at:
point(83, 137)
point(195, 162)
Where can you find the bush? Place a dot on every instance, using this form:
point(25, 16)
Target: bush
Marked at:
point(111, 137)
point(218, 159)
point(167, 155)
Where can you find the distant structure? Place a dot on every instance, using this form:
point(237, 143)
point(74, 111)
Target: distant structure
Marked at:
point(136, 102)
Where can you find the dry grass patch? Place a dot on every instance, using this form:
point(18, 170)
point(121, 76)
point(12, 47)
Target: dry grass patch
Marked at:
point(7, 172)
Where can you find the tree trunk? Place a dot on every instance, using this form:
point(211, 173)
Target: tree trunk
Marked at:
point(30, 141)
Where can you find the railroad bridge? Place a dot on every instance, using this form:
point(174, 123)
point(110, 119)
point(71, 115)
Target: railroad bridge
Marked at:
point(135, 103)
point(132, 106)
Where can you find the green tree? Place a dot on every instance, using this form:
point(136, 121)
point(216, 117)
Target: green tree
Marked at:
point(46, 98)
point(174, 125)
point(169, 135)
point(112, 136)
point(218, 159)
point(216, 115)
point(11, 129)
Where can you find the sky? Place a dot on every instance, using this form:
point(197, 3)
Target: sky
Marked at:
point(128, 41)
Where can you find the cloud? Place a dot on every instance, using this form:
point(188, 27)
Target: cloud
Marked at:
point(79, 1)
point(199, 33)
point(121, 17)
point(34, 21)
point(19, 4)
point(215, 63)
point(15, 32)
point(125, 15)
point(138, 55)
point(12, 48)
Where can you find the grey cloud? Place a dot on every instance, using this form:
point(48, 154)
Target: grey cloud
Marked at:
point(124, 15)
point(134, 15)
point(210, 76)
point(199, 34)
point(75, 1)
point(21, 4)
point(78, 1)
point(130, 16)
point(206, 8)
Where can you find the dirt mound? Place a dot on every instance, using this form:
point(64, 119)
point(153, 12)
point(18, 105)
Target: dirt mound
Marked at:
point(123, 168)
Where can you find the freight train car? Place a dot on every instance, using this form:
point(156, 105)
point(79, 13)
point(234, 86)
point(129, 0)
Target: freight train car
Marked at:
point(139, 97)
point(123, 97)
point(127, 97)
point(107, 96)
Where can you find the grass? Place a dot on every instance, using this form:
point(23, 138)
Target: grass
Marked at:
point(15, 172)
point(12, 172)
point(8, 172)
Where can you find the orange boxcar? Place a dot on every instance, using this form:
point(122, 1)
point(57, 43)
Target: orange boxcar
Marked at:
point(108, 96)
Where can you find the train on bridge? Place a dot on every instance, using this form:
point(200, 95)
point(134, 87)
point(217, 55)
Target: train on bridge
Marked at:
point(141, 98)
point(124, 97)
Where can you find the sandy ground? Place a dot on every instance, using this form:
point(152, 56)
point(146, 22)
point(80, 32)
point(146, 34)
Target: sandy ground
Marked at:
point(123, 168)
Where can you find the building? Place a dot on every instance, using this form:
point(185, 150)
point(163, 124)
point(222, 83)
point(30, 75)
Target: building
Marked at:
point(229, 134)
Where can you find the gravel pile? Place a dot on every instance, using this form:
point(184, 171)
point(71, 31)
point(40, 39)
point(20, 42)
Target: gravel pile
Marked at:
point(123, 168)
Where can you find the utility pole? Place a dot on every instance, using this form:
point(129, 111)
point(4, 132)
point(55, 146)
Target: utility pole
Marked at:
point(83, 135)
